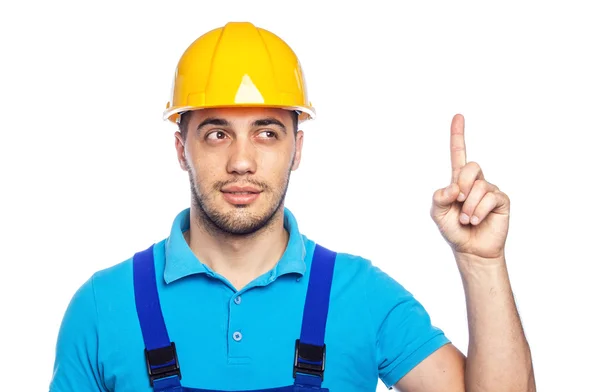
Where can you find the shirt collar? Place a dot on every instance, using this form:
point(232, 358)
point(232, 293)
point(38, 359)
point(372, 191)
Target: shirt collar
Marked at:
point(181, 261)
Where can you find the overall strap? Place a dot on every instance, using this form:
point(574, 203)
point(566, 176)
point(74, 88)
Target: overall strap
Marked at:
point(160, 353)
point(309, 363)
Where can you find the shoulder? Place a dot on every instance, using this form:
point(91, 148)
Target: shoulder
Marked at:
point(114, 299)
point(363, 281)
point(100, 320)
point(401, 325)
point(387, 301)
point(98, 284)
point(119, 277)
point(360, 271)
point(106, 298)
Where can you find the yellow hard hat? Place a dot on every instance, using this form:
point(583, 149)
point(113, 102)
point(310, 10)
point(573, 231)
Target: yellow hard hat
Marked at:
point(238, 65)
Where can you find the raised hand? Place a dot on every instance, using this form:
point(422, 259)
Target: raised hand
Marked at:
point(471, 213)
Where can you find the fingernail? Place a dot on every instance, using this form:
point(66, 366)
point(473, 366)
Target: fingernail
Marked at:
point(474, 220)
point(464, 218)
point(447, 190)
point(461, 196)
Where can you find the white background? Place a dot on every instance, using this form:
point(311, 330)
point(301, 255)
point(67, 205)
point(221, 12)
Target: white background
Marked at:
point(89, 173)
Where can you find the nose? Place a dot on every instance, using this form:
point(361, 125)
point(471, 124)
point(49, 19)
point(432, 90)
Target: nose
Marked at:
point(242, 158)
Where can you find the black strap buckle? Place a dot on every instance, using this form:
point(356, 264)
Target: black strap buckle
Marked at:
point(310, 353)
point(162, 363)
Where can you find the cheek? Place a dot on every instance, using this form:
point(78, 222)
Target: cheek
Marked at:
point(277, 165)
point(204, 173)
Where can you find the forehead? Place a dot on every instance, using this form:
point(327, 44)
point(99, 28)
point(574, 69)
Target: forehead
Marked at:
point(242, 114)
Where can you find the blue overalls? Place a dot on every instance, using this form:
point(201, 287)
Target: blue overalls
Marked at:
point(160, 352)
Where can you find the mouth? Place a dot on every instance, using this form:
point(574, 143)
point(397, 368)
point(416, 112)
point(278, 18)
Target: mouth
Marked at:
point(240, 189)
point(240, 195)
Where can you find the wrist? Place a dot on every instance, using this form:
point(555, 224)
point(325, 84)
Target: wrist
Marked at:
point(474, 268)
point(478, 261)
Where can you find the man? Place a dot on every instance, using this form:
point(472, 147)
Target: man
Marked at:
point(237, 299)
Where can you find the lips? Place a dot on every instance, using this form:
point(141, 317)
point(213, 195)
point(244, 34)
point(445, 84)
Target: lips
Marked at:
point(240, 195)
point(240, 189)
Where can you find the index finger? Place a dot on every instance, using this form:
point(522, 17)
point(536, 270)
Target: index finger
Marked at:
point(458, 152)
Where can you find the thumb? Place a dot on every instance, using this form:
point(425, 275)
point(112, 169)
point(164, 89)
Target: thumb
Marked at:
point(443, 199)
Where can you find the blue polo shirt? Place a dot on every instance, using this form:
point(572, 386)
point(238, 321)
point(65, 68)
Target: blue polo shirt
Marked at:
point(239, 340)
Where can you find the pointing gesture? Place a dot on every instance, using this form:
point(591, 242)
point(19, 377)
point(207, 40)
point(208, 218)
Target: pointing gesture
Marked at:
point(471, 213)
point(458, 151)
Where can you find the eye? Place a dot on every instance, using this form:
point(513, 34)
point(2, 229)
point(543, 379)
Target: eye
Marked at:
point(216, 135)
point(268, 134)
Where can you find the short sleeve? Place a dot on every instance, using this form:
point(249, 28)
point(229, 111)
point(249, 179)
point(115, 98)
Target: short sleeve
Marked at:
point(405, 335)
point(76, 359)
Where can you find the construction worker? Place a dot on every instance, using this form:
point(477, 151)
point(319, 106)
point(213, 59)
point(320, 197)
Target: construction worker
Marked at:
point(237, 298)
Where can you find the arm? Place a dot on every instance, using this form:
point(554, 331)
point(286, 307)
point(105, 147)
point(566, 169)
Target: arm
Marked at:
point(408, 346)
point(472, 216)
point(499, 358)
point(76, 366)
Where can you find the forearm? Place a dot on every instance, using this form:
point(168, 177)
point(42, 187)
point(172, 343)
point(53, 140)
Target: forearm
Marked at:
point(499, 358)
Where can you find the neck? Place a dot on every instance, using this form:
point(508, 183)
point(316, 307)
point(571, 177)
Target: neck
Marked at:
point(238, 258)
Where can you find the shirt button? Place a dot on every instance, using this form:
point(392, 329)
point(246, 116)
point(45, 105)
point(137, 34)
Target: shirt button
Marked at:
point(237, 336)
point(238, 300)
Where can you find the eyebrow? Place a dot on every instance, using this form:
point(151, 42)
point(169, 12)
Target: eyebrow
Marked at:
point(214, 121)
point(269, 121)
point(258, 123)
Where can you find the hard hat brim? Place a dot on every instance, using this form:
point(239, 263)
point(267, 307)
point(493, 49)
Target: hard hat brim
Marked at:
point(304, 114)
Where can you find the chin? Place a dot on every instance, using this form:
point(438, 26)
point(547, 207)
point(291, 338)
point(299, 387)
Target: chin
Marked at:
point(243, 223)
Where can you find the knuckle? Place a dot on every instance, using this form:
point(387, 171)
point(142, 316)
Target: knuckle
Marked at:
point(474, 166)
point(470, 204)
point(492, 197)
point(480, 184)
point(464, 178)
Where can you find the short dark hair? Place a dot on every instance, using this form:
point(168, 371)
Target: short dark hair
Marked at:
point(184, 121)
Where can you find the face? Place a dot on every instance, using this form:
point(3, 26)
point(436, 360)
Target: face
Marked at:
point(239, 162)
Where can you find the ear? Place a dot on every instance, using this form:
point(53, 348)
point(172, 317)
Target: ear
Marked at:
point(298, 154)
point(180, 148)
